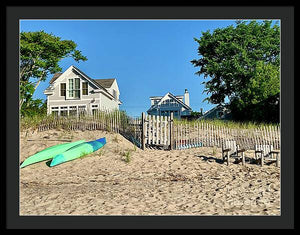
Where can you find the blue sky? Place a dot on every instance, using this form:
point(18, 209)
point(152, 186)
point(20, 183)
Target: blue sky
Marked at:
point(147, 57)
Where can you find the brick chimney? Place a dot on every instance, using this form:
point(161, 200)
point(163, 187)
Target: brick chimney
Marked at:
point(186, 97)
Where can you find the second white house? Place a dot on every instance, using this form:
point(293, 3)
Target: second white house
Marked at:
point(179, 105)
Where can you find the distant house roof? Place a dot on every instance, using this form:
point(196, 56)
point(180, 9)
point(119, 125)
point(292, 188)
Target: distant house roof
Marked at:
point(105, 82)
point(160, 97)
point(210, 114)
point(179, 101)
point(172, 96)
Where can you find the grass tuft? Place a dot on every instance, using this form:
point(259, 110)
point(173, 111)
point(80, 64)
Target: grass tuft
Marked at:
point(127, 156)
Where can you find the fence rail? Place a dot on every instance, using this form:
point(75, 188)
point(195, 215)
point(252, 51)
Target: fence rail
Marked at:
point(157, 130)
point(162, 131)
point(100, 120)
point(201, 134)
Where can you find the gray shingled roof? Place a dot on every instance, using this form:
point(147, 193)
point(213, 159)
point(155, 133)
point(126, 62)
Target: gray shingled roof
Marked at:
point(106, 83)
point(55, 76)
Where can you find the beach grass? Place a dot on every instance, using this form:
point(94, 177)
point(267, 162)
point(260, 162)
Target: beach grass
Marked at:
point(226, 123)
point(127, 156)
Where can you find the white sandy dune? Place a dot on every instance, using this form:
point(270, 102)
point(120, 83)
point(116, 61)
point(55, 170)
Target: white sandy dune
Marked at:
point(152, 182)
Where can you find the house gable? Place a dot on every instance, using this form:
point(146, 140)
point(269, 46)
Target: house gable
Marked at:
point(168, 96)
point(111, 85)
point(73, 72)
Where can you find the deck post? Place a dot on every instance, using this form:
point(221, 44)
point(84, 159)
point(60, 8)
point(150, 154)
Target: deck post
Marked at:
point(171, 131)
point(143, 131)
point(277, 159)
point(243, 158)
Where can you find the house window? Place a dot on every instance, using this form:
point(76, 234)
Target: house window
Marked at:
point(71, 87)
point(72, 110)
point(54, 111)
point(115, 93)
point(84, 88)
point(81, 109)
point(64, 111)
point(63, 89)
point(74, 88)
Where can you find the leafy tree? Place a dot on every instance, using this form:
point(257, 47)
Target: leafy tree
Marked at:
point(40, 54)
point(243, 64)
point(34, 107)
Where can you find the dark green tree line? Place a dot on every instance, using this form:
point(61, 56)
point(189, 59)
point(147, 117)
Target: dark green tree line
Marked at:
point(242, 63)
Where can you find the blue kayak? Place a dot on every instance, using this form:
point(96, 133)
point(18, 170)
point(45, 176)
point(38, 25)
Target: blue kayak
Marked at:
point(78, 151)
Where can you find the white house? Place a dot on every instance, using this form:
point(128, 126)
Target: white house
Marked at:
point(165, 105)
point(73, 91)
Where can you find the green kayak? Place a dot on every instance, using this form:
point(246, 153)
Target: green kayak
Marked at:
point(49, 153)
point(78, 151)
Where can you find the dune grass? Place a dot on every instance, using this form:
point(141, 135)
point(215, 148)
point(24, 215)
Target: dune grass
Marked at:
point(225, 123)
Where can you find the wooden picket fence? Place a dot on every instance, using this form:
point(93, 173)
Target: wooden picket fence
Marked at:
point(111, 121)
point(156, 131)
point(201, 134)
point(162, 132)
point(114, 121)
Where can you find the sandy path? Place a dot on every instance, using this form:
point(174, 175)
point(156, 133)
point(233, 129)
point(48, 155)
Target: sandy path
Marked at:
point(153, 182)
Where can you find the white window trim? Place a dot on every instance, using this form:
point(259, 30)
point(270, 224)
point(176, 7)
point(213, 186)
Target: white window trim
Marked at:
point(75, 100)
point(60, 90)
point(82, 88)
point(67, 109)
point(68, 89)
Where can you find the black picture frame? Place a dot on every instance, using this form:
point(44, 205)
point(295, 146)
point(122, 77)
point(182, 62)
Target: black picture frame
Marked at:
point(11, 167)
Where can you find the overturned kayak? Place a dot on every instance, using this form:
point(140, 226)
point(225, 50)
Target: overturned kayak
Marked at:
point(49, 153)
point(78, 151)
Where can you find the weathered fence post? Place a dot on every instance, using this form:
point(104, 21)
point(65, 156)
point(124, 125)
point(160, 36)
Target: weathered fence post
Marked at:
point(143, 131)
point(171, 132)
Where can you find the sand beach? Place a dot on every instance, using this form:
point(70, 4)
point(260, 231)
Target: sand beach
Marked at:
point(150, 182)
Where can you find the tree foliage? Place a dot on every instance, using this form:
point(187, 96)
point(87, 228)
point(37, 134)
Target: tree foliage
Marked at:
point(243, 64)
point(33, 108)
point(40, 54)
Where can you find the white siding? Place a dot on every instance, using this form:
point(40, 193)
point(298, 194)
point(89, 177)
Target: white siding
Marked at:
point(104, 102)
point(114, 86)
point(108, 104)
